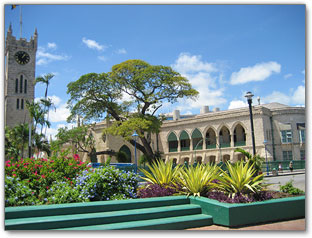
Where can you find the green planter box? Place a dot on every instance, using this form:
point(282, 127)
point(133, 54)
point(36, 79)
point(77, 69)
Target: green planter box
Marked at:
point(235, 215)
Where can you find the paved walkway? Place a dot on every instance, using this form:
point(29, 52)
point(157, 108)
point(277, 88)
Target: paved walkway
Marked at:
point(292, 225)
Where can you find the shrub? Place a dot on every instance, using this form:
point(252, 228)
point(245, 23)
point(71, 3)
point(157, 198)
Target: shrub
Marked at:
point(18, 192)
point(290, 189)
point(63, 192)
point(106, 183)
point(240, 179)
point(41, 173)
point(161, 173)
point(199, 179)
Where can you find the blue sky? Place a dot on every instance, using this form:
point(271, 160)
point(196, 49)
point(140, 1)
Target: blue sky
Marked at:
point(224, 50)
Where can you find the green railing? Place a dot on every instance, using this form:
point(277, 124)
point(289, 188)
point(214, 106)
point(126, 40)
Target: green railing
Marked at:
point(185, 148)
point(297, 164)
point(223, 145)
point(212, 146)
point(173, 149)
point(239, 143)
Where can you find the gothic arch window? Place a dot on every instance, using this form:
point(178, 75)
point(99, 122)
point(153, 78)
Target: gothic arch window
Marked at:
point(21, 84)
point(16, 85)
point(197, 139)
point(127, 151)
point(25, 86)
point(22, 104)
point(185, 141)
point(172, 142)
point(17, 103)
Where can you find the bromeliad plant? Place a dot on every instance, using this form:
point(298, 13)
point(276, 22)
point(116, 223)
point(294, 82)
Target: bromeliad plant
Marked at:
point(199, 179)
point(161, 173)
point(240, 179)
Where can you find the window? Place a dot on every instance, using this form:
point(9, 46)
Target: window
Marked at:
point(302, 136)
point(16, 85)
point(286, 136)
point(302, 154)
point(17, 103)
point(21, 84)
point(25, 86)
point(287, 155)
point(22, 104)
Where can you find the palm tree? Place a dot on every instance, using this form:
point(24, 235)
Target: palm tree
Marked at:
point(256, 160)
point(45, 79)
point(16, 139)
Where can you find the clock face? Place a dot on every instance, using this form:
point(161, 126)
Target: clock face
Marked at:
point(22, 57)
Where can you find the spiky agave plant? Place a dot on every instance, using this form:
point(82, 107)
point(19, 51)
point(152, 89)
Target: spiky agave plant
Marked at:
point(240, 179)
point(198, 180)
point(161, 173)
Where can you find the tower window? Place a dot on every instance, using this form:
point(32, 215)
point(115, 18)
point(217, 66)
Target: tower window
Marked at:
point(22, 104)
point(16, 85)
point(17, 103)
point(25, 86)
point(21, 84)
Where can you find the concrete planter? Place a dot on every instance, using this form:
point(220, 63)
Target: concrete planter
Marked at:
point(235, 215)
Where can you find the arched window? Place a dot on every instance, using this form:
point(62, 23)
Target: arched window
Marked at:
point(25, 86)
point(22, 104)
point(16, 85)
point(197, 139)
point(17, 103)
point(21, 84)
point(173, 142)
point(185, 141)
point(127, 151)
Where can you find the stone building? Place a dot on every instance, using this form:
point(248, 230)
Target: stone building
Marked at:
point(19, 80)
point(212, 136)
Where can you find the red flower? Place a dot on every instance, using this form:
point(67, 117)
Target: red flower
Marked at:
point(14, 175)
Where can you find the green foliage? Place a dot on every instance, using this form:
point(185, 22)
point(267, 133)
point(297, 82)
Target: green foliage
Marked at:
point(107, 183)
point(143, 160)
point(197, 180)
point(161, 173)
point(255, 160)
point(290, 189)
point(240, 179)
point(16, 141)
point(81, 137)
point(147, 87)
point(18, 192)
point(121, 157)
point(63, 192)
point(40, 173)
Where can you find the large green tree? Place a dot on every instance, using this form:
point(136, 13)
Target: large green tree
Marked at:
point(130, 94)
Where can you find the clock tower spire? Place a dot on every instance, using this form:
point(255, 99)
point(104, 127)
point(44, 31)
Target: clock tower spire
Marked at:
point(19, 77)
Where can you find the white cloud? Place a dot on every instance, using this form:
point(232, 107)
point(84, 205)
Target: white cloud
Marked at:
point(44, 57)
point(187, 63)
point(52, 45)
point(59, 114)
point(286, 76)
point(297, 97)
point(102, 58)
point(204, 77)
point(92, 44)
point(237, 104)
point(258, 72)
point(52, 131)
point(121, 51)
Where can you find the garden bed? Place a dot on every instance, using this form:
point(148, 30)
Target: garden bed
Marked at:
point(235, 215)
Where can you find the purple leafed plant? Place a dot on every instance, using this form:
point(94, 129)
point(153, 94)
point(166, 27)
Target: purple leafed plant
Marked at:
point(239, 198)
point(155, 190)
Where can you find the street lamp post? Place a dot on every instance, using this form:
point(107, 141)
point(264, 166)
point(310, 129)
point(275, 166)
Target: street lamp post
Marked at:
point(249, 96)
point(135, 136)
point(266, 157)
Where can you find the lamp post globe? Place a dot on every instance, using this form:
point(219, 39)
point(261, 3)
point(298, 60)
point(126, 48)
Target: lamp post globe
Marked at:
point(249, 96)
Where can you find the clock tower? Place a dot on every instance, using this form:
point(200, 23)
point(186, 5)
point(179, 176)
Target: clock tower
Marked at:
point(19, 84)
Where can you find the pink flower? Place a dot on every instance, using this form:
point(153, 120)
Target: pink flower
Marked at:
point(14, 175)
